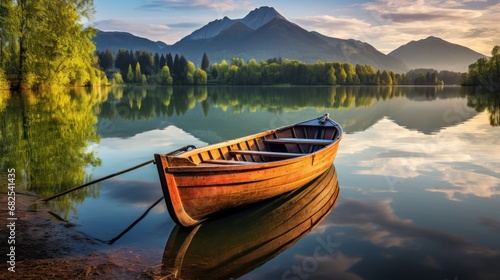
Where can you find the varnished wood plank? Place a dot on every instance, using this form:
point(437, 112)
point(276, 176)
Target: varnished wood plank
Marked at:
point(267, 154)
point(228, 162)
point(300, 141)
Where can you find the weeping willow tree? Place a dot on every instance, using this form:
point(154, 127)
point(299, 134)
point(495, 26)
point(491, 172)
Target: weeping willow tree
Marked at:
point(45, 42)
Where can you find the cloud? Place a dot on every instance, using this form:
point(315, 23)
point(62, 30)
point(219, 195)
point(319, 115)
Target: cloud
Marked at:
point(377, 23)
point(126, 192)
point(453, 21)
point(491, 223)
point(439, 155)
point(466, 183)
point(150, 31)
point(341, 27)
point(221, 5)
point(376, 221)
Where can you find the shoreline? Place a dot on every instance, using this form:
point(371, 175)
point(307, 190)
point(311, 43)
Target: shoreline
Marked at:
point(47, 248)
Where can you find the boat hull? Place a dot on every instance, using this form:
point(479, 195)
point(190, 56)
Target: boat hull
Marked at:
point(234, 245)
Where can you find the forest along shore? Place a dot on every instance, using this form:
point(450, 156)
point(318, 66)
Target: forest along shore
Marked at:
point(47, 248)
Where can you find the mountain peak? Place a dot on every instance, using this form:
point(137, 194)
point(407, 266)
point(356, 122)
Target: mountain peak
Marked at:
point(432, 38)
point(261, 16)
point(254, 20)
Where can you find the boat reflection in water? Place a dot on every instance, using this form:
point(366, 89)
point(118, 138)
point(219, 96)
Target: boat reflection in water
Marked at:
point(232, 246)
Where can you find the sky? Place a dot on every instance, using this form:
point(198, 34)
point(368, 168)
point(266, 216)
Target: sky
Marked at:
point(385, 24)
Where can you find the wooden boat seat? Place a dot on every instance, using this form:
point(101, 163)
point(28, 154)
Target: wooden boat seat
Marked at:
point(305, 141)
point(266, 154)
point(227, 162)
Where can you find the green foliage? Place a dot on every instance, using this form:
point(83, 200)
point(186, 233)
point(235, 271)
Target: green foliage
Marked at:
point(138, 73)
point(117, 79)
point(4, 84)
point(330, 76)
point(45, 43)
point(123, 59)
point(130, 74)
point(164, 76)
point(205, 64)
point(146, 61)
point(32, 122)
point(385, 78)
point(106, 59)
point(200, 77)
point(484, 72)
point(273, 71)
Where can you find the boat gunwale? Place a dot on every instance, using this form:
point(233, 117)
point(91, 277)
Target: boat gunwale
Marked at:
point(256, 165)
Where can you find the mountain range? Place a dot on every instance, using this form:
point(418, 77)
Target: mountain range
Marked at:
point(436, 53)
point(264, 33)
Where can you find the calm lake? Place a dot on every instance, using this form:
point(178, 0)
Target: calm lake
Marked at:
point(418, 171)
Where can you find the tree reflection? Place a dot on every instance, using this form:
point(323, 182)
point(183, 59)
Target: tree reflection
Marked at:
point(484, 99)
point(46, 139)
point(137, 103)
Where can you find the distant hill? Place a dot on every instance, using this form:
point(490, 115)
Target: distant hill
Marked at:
point(436, 53)
point(262, 34)
point(123, 40)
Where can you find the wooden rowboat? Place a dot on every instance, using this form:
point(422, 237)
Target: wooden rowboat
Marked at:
point(202, 182)
point(234, 245)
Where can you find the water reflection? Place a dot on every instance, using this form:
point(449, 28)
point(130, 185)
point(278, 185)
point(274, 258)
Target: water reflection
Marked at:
point(232, 246)
point(405, 250)
point(484, 99)
point(419, 170)
point(46, 138)
point(201, 110)
point(135, 103)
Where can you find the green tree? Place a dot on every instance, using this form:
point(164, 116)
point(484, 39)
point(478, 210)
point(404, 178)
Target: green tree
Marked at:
point(205, 64)
point(330, 74)
point(385, 78)
point(190, 68)
point(7, 30)
point(106, 59)
point(138, 73)
point(182, 70)
point(169, 61)
point(176, 69)
point(146, 61)
point(130, 74)
point(123, 59)
point(163, 61)
point(52, 45)
point(117, 79)
point(3, 81)
point(342, 77)
point(156, 60)
point(495, 61)
point(200, 77)
point(165, 78)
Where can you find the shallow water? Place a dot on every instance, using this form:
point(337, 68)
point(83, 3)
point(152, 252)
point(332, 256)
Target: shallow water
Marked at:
point(418, 171)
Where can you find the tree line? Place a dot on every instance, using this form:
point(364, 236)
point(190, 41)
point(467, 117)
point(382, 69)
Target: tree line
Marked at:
point(145, 68)
point(45, 42)
point(165, 69)
point(484, 72)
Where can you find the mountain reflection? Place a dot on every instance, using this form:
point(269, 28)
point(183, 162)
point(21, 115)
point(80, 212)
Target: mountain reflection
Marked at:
point(46, 138)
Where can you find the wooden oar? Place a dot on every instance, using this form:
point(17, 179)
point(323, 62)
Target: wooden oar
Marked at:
point(183, 149)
